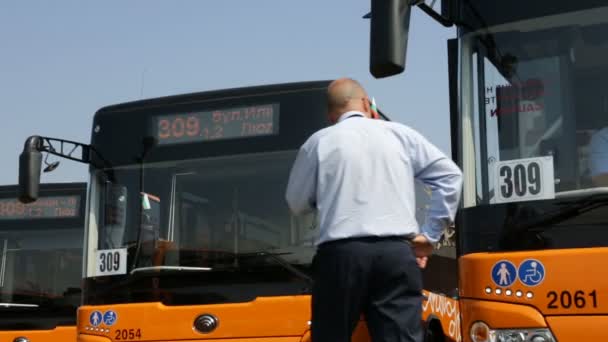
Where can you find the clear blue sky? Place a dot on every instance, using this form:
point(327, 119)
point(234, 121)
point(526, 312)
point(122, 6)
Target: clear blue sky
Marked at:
point(62, 60)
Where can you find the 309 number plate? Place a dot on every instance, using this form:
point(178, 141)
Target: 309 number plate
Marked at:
point(524, 180)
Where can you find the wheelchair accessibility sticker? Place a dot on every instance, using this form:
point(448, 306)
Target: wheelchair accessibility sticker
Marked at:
point(109, 318)
point(531, 272)
point(504, 273)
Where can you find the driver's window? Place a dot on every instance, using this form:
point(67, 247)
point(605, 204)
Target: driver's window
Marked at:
point(114, 216)
point(528, 114)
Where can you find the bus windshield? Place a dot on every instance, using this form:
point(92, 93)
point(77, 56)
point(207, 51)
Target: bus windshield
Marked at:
point(538, 116)
point(534, 127)
point(40, 268)
point(204, 218)
point(41, 257)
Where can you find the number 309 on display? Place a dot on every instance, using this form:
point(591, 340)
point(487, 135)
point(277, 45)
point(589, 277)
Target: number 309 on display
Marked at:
point(524, 180)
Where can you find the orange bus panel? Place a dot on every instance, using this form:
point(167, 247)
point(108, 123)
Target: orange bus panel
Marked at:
point(59, 334)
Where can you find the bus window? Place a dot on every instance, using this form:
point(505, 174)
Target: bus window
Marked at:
point(114, 214)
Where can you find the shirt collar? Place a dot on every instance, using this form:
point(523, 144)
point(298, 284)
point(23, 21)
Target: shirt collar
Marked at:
point(350, 114)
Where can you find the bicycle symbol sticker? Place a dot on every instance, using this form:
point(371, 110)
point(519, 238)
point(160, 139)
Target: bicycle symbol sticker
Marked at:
point(531, 272)
point(504, 273)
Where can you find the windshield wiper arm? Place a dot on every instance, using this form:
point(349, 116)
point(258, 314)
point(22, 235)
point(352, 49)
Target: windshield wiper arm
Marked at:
point(18, 305)
point(577, 208)
point(276, 257)
point(136, 272)
point(152, 269)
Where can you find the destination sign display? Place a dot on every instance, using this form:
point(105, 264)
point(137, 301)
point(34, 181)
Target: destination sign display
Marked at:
point(230, 123)
point(43, 208)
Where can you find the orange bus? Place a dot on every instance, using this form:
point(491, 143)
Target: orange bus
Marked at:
point(41, 263)
point(189, 236)
point(529, 118)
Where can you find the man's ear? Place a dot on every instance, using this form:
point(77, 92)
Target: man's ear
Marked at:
point(375, 114)
point(367, 109)
point(331, 118)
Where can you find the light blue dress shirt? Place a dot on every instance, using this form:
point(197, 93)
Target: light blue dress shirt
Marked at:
point(359, 174)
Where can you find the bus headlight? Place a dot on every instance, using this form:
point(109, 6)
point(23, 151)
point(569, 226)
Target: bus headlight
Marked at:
point(481, 332)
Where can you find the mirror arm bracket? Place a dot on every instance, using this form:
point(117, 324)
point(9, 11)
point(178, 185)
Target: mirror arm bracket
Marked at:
point(429, 11)
point(445, 22)
point(66, 149)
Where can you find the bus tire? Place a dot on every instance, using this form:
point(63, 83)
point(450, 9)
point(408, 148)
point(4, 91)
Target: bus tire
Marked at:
point(434, 332)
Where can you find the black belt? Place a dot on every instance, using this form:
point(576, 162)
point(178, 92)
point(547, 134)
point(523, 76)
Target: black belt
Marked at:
point(406, 238)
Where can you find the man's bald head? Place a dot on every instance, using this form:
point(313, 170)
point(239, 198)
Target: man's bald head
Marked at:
point(344, 95)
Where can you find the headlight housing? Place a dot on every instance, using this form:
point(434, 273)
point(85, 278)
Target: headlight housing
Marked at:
point(481, 332)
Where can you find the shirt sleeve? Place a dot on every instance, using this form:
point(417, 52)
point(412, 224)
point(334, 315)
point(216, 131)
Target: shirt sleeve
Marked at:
point(302, 186)
point(443, 177)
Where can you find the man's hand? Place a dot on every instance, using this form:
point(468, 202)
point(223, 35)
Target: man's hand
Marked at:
point(422, 249)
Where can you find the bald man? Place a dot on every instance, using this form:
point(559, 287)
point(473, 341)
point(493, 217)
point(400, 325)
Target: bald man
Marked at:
point(359, 175)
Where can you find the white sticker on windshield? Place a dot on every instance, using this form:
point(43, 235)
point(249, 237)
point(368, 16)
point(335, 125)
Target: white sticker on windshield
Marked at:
point(526, 179)
point(110, 262)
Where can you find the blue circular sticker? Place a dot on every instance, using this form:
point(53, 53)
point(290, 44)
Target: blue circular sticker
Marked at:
point(531, 272)
point(504, 273)
point(109, 318)
point(95, 318)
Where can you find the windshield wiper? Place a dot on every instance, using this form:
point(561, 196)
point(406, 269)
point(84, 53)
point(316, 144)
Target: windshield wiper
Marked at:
point(154, 269)
point(576, 208)
point(141, 271)
point(18, 305)
point(263, 254)
point(25, 302)
point(276, 257)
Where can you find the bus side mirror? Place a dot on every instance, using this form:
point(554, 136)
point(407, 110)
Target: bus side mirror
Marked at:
point(390, 21)
point(30, 162)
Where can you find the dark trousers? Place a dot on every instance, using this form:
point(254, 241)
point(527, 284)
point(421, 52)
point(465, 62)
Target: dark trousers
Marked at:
point(376, 277)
